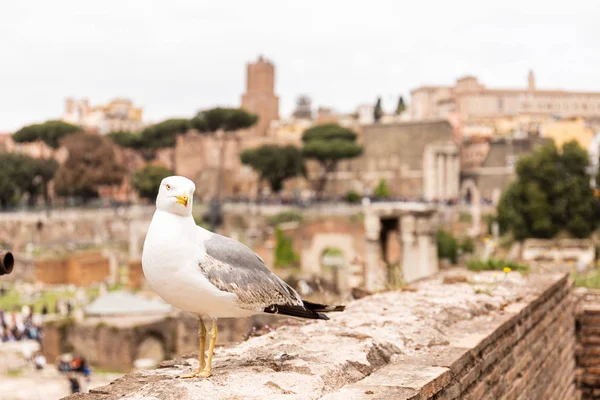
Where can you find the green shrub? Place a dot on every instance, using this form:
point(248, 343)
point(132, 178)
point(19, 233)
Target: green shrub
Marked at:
point(467, 245)
point(447, 246)
point(353, 197)
point(495, 265)
point(465, 217)
point(283, 217)
point(590, 280)
point(382, 191)
point(285, 256)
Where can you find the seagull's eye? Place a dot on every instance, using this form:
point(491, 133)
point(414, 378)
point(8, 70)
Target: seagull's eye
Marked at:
point(168, 186)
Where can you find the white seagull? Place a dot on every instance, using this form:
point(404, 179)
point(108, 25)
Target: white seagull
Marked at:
point(210, 275)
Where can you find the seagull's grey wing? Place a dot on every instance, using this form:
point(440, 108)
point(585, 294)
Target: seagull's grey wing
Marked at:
point(234, 268)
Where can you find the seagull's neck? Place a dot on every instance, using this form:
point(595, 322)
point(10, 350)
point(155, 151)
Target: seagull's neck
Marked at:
point(169, 224)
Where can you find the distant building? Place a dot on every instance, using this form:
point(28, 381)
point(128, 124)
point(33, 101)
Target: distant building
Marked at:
point(116, 115)
point(418, 160)
point(473, 101)
point(488, 165)
point(565, 130)
point(260, 97)
point(303, 108)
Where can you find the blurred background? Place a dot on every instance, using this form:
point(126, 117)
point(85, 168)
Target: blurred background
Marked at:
point(355, 147)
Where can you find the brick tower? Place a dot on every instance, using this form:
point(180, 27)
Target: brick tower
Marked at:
point(260, 97)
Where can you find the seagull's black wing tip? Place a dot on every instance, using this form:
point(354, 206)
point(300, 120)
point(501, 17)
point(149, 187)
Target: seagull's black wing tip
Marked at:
point(308, 310)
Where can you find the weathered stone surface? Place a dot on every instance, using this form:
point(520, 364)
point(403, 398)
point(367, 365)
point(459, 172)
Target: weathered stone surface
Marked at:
point(401, 345)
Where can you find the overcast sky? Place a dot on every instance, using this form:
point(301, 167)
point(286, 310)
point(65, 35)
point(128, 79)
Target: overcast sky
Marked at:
point(175, 57)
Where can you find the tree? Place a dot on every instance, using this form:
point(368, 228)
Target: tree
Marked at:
point(275, 164)
point(127, 139)
point(401, 107)
point(91, 163)
point(50, 132)
point(328, 144)
point(551, 194)
point(223, 119)
point(378, 110)
point(20, 174)
point(163, 134)
point(382, 191)
point(219, 122)
point(146, 181)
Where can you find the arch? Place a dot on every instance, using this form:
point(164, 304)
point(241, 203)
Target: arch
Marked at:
point(311, 258)
point(152, 346)
point(470, 189)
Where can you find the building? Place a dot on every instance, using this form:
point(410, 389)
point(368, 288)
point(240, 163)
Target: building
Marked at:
point(473, 101)
point(418, 159)
point(260, 97)
point(488, 165)
point(565, 130)
point(116, 115)
point(303, 108)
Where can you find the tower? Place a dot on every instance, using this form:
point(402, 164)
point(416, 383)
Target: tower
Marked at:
point(531, 80)
point(260, 97)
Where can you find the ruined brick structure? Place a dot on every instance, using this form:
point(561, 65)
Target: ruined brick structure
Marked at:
point(79, 269)
point(260, 97)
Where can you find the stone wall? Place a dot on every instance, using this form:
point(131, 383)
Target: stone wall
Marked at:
point(588, 344)
point(456, 336)
point(80, 269)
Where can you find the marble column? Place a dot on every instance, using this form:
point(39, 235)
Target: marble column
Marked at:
point(410, 257)
point(457, 176)
point(452, 176)
point(429, 174)
point(376, 269)
point(440, 193)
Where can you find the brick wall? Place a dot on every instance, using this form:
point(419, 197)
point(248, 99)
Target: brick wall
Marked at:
point(135, 278)
point(80, 269)
point(530, 356)
point(588, 344)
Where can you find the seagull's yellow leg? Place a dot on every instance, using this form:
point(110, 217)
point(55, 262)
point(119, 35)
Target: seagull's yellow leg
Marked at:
point(214, 330)
point(202, 350)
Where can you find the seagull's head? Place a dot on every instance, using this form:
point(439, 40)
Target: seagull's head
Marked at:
point(176, 195)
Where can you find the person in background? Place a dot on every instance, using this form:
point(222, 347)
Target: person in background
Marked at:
point(40, 361)
point(44, 309)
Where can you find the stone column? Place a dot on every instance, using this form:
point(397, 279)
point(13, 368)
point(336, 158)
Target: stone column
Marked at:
point(134, 240)
point(452, 176)
point(410, 266)
point(440, 193)
point(376, 269)
point(429, 174)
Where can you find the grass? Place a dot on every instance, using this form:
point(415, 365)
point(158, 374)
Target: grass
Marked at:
point(13, 299)
point(483, 291)
point(465, 217)
point(590, 280)
point(14, 373)
point(496, 265)
point(283, 217)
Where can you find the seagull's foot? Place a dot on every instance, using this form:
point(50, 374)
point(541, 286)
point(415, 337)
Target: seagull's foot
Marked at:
point(205, 373)
point(197, 374)
point(194, 374)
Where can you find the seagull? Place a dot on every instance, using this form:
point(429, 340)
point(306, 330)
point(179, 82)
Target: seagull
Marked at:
point(210, 275)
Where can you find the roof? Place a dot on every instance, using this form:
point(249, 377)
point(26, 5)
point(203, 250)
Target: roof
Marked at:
point(124, 303)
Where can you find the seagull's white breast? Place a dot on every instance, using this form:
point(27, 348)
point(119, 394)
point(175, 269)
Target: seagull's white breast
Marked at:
point(172, 250)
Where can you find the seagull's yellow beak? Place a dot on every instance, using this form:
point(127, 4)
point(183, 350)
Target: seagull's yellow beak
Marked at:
point(183, 199)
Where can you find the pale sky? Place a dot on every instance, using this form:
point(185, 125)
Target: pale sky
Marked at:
point(175, 57)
